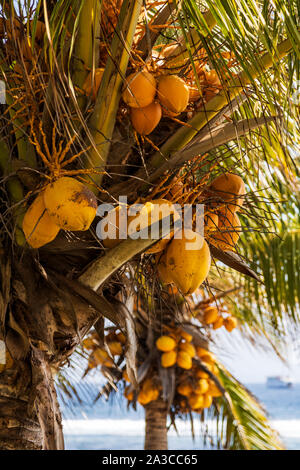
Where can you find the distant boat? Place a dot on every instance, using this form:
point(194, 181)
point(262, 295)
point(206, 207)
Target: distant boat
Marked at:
point(279, 382)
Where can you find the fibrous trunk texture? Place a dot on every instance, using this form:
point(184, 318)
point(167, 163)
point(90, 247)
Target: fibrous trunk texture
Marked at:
point(156, 426)
point(29, 414)
point(19, 424)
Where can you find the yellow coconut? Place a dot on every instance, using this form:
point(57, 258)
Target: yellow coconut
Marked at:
point(38, 227)
point(228, 234)
point(196, 401)
point(202, 386)
point(165, 343)
point(218, 323)
point(92, 83)
point(140, 89)
point(230, 323)
point(70, 204)
point(207, 400)
point(184, 360)
point(187, 261)
point(168, 359)
point(188, 348)
point(230, 189)
point(145, 120)
point(173, 93)
point(208, 357)
point(211, 314)
point(201, 351)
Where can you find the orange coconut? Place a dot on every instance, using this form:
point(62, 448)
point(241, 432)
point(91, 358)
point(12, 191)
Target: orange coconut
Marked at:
point(140, 90)
point(145, 120)
point(231, 189)
point(173, 93)
point(230, 323)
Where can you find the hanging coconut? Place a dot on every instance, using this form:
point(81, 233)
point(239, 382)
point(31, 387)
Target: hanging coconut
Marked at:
point(70, 204)
point(145, 120)
point(165, 343)
point(188, 348)
point(173, 93)
point(168, 359)
point(187, 261)
point(231, 189)
point(196, 401)
point(211, 314)
point(218, 323)
point(140, 90)
point(184, 360)
point(230, 323)
point(39, 229)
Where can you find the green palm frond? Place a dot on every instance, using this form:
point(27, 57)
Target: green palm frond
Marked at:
point(241, 421)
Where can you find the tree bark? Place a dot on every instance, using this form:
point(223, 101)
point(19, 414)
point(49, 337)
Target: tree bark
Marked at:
point(19, 424)
point(156, 425)
point(29, 413)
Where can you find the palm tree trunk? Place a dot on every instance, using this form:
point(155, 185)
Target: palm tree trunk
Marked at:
point(29, 413)
point(156, 425)
point(19, 426)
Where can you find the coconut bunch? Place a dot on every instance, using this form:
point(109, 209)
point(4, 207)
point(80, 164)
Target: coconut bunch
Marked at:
point(196, 374)
point(65, 204)
point(214, 317)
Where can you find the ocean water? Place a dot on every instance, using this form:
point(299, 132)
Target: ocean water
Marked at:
point(109, 426)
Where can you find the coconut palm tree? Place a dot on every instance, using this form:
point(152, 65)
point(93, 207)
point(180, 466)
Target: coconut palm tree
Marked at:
point(64, 65)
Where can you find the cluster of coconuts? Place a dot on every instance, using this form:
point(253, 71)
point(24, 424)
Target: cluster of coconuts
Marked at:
point(98, 356)
point(149, 391)
point(185, 267)
point(195, 389)
point(212, 317)
point(65, 204)
point(147, 97)
point(193, 382)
